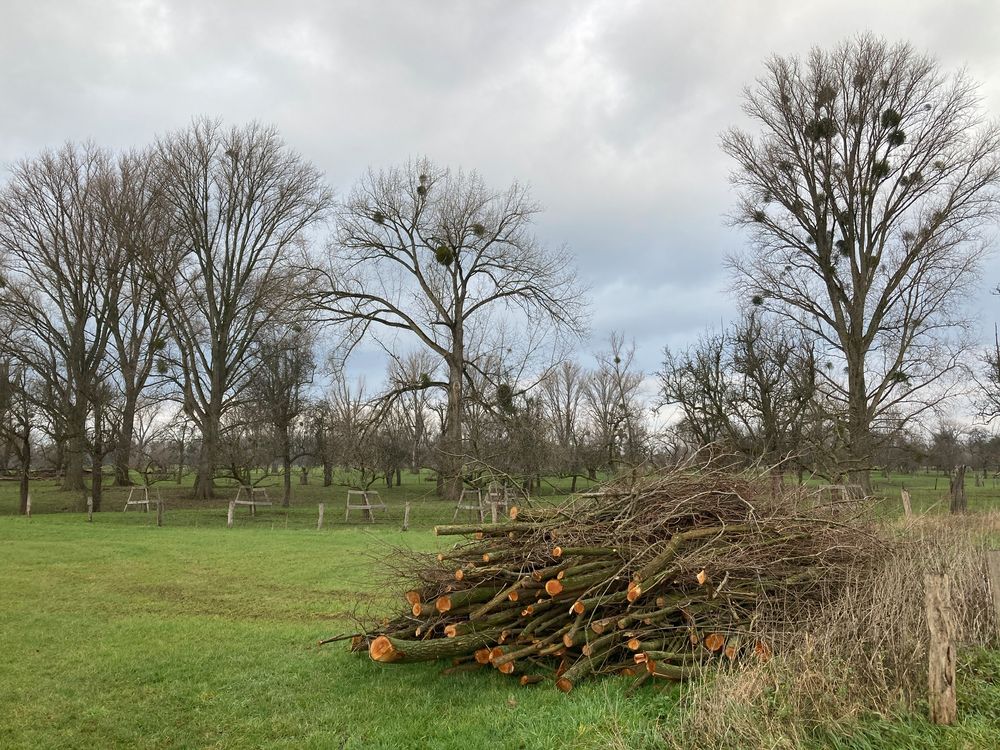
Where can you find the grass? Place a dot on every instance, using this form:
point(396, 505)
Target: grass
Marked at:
point(122, 634)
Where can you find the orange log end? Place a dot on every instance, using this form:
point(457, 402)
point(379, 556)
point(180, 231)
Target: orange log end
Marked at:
point(564, 685)
point(553, 587)
point(451, 631)
point(633, 644)
point(507, 668)
point(634, 591)
point(701, 577)
point(442, 603)
point(513, 512)
point(482, 655)
point(578, 607)
point(412, 597)
point(557, 551)
point(382, 650)
point(714, 642)
point(513, 596)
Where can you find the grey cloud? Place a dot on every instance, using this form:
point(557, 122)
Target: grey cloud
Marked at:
point(611, 110)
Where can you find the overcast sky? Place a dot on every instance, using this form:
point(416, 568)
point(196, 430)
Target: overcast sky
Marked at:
point(610, 110)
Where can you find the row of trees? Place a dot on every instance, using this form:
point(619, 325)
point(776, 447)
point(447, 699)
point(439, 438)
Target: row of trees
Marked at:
point(211, 284)
point(197, 272)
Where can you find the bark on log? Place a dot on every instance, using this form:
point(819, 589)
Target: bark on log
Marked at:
point(387, 649)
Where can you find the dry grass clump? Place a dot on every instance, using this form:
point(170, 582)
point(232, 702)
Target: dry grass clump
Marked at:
point(865, 652)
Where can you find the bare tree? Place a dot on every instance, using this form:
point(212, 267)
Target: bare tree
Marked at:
point(866, 192)
point(411, 377)
point(17, 421)
point(277, 393)
point(562, 393)
point(750, 388)
point(62, 284)
point(140, 228)
point(240, 201)
point(615, 407)
point(432, 252)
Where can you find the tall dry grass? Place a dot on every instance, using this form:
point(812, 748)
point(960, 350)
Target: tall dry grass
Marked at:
point(864, 653)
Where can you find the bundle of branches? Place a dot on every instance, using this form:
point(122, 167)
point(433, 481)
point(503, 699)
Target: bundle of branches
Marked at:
point(663, 577)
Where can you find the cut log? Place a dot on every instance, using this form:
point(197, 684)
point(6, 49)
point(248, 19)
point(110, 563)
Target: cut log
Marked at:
point(386, 649)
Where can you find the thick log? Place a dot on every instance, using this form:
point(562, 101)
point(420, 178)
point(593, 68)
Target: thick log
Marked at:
point(387, 649)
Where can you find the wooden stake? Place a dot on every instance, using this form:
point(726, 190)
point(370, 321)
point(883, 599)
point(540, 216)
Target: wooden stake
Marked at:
point(406, 517)
point(229, 519)
point(993, 567)
point(941, 649)
point(27, 507)
point(907, 508)
point(159, 511)
point(493, 510)
point(322, 510)
point(90, 509)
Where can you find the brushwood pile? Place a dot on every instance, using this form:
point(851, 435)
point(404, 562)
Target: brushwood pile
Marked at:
point(658, 577)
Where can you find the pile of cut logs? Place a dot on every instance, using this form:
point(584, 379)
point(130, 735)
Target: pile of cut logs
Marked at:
point(661, 577)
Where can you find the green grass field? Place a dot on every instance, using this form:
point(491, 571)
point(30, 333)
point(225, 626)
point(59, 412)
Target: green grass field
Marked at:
point(117, 633)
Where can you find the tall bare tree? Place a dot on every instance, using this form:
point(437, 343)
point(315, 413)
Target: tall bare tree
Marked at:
point(62, 285)
point(241, 201)
point(278, 395)
point(433, 252)
point(866, 191)
point(141, 228)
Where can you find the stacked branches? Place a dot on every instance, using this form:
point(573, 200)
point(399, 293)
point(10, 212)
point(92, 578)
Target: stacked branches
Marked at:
point(662, 577)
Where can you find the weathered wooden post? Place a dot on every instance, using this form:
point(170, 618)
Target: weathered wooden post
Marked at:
point(993, 567)
point(959, 501)
point(406, 516)
point(27, 506)
point(907, 508)
point(940, 650)
point(159, 510)
point(229, 518)
point(322, 510)
point(90, 509)
point(493, 510)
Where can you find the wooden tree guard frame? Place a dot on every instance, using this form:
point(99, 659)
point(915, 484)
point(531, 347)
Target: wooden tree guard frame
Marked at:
point(142, 500)
point(251, 498)
point(471, 500)
point(366, 505)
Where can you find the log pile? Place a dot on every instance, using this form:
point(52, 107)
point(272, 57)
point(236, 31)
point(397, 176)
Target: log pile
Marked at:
point(662, 577)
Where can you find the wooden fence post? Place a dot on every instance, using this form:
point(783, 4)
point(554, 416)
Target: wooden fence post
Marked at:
point(406, 516)
point(940, 650)
point(907, 508)
point(229, 518)
point(993, 567)
point(493, 510)
point(90, 509)
point(27, 506)
point(159, 511)
point(322, 510)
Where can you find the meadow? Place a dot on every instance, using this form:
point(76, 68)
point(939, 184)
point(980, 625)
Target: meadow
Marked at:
point(118, 633)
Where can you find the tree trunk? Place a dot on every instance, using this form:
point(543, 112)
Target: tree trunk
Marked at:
point(25, 469)
point(452, 449)
point(859, 432)
point(327, 472)
point(96, 472)
point(399, 477)
point(73, 478)
point(123, 450)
